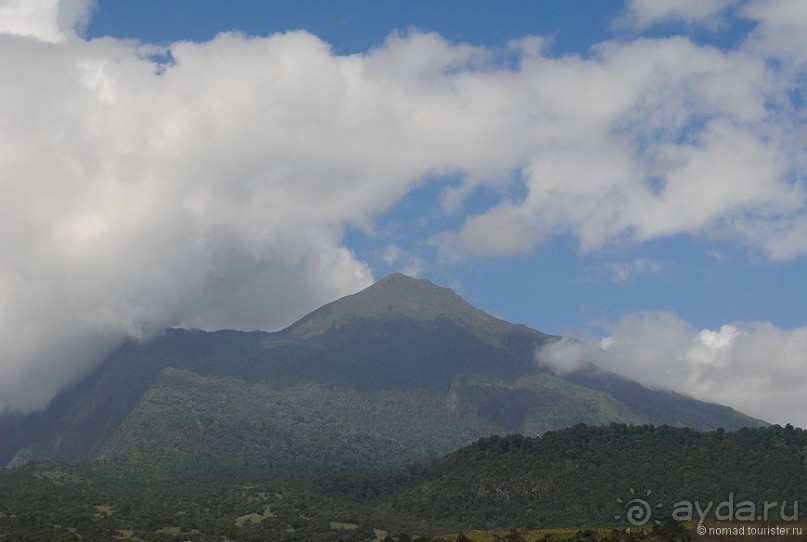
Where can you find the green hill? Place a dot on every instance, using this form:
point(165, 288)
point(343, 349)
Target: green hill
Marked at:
point(575, 476)
point(579, 477)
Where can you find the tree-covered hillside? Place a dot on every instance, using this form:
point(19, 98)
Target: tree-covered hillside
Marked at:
point(577, 477)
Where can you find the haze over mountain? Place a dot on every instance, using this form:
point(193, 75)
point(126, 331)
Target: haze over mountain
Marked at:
point(401, 371)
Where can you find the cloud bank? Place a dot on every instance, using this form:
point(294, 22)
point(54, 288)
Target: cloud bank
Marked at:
point(209, 184)
point(757, 368)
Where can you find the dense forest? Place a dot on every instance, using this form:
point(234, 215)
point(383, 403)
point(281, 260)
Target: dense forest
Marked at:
point(499, 488)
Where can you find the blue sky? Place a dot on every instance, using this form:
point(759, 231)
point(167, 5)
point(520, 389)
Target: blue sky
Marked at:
point(356, 26)
point(628, 173)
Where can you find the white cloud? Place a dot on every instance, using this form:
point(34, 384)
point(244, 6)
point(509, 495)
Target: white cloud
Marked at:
point(757, 368)
point(213, 191)
point(624, 272)
point(642, 14)
point(400, 258)
point(566, 355)
point(781, 28)
point(500, 232)
point(653, 138)
point(46, 20)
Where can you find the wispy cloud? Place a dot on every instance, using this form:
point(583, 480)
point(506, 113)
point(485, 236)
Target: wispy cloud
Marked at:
point(641, 14)
point(630, 271)
point(403, 260)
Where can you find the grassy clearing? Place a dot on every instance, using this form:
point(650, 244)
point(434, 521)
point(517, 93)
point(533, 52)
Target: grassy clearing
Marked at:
point(103, 510)
point(254, 517)
point(339, 526)
point(126, 534)
point(59, 476)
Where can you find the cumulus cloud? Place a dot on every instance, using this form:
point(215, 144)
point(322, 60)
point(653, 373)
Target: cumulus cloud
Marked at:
point(653, 138)
point(208, 184)
point(137, 196)
point(780, 28)
point(46, 20)
point(757, 368)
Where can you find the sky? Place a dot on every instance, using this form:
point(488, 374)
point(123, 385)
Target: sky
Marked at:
point(631, 174)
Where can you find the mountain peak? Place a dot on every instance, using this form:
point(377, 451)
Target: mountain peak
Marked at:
point(399, 295)
point(419, 299)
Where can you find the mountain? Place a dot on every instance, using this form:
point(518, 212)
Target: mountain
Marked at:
point(402, 371)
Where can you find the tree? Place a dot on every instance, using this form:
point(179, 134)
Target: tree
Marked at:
point(671, 531)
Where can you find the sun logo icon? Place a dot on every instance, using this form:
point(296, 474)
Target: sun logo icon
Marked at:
point(637, 510)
